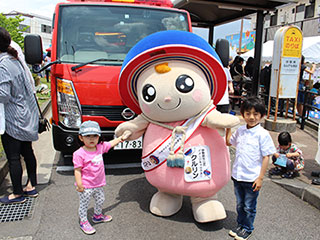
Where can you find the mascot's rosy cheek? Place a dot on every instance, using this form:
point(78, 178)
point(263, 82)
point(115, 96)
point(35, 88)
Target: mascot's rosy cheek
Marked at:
point(197, 95)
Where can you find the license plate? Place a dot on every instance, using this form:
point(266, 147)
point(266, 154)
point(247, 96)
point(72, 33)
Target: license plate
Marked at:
point(133, 144)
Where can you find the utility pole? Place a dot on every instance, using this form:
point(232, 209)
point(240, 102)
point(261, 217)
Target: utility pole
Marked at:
point(240, 38)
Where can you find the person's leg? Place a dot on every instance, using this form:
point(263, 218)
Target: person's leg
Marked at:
point(99, 198)
point(84, 199)
point(31, 164)
point(47, 75)
point(250, 203)
point(239, 192)
point(12, 148)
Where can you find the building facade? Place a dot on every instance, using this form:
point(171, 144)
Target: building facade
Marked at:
point(37, 25)
point(305, 14)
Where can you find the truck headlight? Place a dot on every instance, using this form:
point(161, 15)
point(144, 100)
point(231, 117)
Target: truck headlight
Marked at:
point(68, 106)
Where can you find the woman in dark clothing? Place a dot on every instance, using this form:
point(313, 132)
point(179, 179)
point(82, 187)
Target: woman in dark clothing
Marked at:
point(248, 69)
point(302, 86)
point(236, 71)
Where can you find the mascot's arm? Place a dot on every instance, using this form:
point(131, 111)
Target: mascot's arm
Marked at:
point(219, 121)
point(132, 129)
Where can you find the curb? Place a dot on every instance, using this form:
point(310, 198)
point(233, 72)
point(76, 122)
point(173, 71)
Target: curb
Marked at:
point(304, 191)
point(4, 166)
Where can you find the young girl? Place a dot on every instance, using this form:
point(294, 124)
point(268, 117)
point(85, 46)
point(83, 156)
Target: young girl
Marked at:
point(89, 173)
point(293, 157)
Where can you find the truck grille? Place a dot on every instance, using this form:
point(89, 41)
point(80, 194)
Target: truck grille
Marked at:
point(113, 113)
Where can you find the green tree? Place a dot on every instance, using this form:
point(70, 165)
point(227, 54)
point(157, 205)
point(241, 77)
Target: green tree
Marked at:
point(12, 25)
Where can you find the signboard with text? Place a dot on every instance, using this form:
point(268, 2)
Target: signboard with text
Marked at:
point(286, 62)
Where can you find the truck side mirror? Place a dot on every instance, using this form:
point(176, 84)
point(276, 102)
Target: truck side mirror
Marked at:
point(33, 49)
point(222, 49)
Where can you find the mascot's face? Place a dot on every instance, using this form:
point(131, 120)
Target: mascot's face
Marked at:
point(172, 91)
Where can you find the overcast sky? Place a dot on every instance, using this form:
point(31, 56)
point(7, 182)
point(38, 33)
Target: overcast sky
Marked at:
point(41, 7)
point(46, 8)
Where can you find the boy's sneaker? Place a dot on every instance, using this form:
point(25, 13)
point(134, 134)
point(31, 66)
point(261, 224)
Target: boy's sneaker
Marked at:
point(101, 218)
point(243, 235)
point(276, 171)
point(234, 232)
point(289, 175)
point(87, 228)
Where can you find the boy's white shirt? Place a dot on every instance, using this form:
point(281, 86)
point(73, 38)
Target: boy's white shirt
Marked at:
point(251, 146)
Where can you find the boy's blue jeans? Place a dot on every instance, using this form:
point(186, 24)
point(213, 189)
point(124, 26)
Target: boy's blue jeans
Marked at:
point(246, 204)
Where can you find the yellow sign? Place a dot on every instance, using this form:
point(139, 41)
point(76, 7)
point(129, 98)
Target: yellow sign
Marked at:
point(292, 43)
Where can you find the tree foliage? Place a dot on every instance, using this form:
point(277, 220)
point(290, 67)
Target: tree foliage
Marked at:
point(12, 25)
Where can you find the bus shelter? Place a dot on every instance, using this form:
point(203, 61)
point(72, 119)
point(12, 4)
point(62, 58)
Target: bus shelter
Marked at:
point(209, 13)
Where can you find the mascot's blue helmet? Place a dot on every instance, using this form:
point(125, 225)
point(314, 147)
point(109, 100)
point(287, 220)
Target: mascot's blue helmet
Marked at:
point(167, 46)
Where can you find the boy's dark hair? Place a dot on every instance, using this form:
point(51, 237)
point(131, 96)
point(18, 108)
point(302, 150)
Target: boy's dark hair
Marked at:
point(284, 139)
point(255, 103)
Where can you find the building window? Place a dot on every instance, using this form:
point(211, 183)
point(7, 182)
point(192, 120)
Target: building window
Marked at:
point(274, 19)
point(45, 28)
point(309, 12)
point(300, 8)
point(25, 27)
point(293, 10)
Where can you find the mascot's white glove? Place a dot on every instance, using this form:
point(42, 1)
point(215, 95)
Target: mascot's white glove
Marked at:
point(132, 129)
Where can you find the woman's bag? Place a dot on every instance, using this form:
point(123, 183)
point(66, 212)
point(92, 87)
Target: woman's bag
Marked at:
point(44, 124)
point(2, 119)
point(238, 77)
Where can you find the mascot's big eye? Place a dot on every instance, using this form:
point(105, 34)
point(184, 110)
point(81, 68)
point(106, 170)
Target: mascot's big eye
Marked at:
point(184, 83)
point(149, 93)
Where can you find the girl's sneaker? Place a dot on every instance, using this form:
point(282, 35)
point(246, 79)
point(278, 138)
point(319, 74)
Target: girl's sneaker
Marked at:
point(101, 218)
point(87, 228)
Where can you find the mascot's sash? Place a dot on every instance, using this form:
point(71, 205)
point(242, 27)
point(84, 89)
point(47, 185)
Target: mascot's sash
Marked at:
point(160, 153)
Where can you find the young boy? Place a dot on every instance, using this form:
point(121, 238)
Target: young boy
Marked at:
point(253, 148)
point(293, 160)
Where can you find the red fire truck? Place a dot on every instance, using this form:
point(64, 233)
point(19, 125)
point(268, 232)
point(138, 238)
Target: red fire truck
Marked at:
point(90, 40)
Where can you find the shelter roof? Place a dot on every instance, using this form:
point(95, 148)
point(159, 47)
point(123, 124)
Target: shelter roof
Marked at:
point(211, 13)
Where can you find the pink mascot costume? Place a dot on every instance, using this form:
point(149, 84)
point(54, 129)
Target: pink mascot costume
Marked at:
point(173, 79)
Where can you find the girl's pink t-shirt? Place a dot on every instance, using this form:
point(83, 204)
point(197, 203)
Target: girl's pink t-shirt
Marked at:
point(92, 165)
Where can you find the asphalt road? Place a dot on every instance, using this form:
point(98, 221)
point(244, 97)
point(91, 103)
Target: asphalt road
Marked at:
point(280, 214)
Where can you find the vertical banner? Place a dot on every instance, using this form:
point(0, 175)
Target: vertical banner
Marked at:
point(318, 153)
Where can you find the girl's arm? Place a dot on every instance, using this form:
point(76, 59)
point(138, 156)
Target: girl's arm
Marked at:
point(77, 175)
point(276, 155)
point(258, 182)
point(116, 141)
point(295, 154)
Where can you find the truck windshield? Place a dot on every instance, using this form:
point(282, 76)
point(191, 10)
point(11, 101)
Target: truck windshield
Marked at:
point(90, 32)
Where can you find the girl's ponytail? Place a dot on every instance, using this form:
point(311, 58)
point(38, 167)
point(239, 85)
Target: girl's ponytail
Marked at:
point(12, 52)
